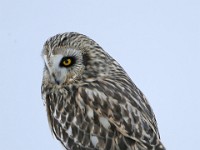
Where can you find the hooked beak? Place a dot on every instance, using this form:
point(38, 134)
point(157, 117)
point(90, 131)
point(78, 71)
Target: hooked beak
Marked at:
point(55, 79)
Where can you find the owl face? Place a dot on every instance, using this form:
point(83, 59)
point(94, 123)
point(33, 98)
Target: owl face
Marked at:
point(73, 57)
point(64, 65)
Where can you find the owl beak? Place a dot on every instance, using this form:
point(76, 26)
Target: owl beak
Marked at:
point(55, 79)
point(57, 82)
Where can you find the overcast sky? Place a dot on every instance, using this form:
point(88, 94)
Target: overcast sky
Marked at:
point(156, 41)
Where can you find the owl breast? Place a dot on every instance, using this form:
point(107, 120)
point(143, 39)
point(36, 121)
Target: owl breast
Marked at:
point(74, 123)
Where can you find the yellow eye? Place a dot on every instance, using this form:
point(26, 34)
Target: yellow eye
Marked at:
point(67, 62)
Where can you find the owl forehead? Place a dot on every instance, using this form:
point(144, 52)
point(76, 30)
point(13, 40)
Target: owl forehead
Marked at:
point(68, 40)
point(74, 44)
point(61, 50)
point(67, 51)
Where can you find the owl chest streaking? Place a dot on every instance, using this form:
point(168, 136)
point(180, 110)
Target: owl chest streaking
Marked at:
point(91, 102)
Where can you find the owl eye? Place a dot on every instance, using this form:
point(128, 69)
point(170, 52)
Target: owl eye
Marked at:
point(67, 61)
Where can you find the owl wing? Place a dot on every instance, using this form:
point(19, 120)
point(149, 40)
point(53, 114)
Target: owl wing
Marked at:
point(121, 104)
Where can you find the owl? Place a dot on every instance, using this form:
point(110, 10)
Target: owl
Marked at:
point(91, 102)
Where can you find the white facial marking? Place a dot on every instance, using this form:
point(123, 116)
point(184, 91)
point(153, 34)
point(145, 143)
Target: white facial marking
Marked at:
point(46, 61)
point(58, 73)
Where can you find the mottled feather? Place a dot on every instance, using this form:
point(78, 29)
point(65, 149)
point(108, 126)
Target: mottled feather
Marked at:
point(94, 104)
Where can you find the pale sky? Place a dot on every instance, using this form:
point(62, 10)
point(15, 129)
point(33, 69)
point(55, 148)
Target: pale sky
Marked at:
point(157, 42)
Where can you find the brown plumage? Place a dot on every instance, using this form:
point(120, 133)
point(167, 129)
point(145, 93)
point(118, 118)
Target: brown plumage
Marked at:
point(91, 102)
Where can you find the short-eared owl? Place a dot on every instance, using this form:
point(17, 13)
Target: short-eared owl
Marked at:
point(91, 102)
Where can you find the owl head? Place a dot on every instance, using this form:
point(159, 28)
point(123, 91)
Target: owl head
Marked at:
point(70, 57)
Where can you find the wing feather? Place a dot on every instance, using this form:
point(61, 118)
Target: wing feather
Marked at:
point(124, 106)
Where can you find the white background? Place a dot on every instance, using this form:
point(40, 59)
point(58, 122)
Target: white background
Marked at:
point(156, 41)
